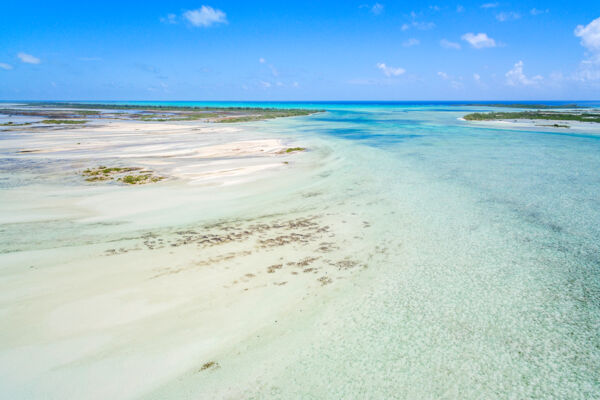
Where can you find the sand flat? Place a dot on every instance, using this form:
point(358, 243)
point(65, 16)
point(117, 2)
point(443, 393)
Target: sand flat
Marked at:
point(137, 286)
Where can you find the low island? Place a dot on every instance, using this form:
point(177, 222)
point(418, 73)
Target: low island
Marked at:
point(73, 113)
point(554, 119)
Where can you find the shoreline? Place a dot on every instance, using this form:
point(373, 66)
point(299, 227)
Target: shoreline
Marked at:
point(65, 112)
point(537, 123)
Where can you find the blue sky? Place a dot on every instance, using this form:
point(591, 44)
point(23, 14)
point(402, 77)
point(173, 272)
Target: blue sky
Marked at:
point(308, 50)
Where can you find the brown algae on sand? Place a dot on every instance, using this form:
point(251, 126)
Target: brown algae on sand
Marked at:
point(292, 150)
point(209, 365)
point(138, 177)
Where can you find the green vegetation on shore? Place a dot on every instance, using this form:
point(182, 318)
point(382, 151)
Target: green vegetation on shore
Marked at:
point(267, 114)
point(10, 123)
point(88, 112)
point(103, 106)
point(537, 115)
point(61, 113)
point(524, 105)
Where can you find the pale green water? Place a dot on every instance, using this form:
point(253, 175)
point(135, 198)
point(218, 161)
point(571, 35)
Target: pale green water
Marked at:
point(482, 246)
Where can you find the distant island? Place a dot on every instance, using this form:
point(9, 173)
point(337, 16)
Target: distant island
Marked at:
point(64, 111)
point(536, 115)
point(538, 106)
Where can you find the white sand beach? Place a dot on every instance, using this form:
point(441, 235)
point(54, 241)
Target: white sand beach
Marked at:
point(157, 290)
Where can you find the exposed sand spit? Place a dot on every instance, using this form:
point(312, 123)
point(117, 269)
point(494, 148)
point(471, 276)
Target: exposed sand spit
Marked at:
point(198, 152)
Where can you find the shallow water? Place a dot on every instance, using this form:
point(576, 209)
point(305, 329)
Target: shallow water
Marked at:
point(478, 247)
point(492, 286)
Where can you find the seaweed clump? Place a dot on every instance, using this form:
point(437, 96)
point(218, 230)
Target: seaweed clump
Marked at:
point(291, 150)
point(140, 179)
point(209, 365)
point(121, 174)
point(556, 126)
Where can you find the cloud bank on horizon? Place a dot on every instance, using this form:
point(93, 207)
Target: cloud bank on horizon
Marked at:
point(373, 50)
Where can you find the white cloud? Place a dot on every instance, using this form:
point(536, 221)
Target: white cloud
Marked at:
point(590, 35)
point(490, 5)
point(265, 84)
point(169, 19)
point(449, 45)
point(411, 42)
point(516, 77)
point(390, 71)
point(205, 16)
point(479, 41)
point(535, 11)
point(589, 69)
point(507, 16)
point(422, 26)
point(442, 75)
point(262, 60)
point(377, 8)
point(5, 66)
point(478, 81)
point(28, 58)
